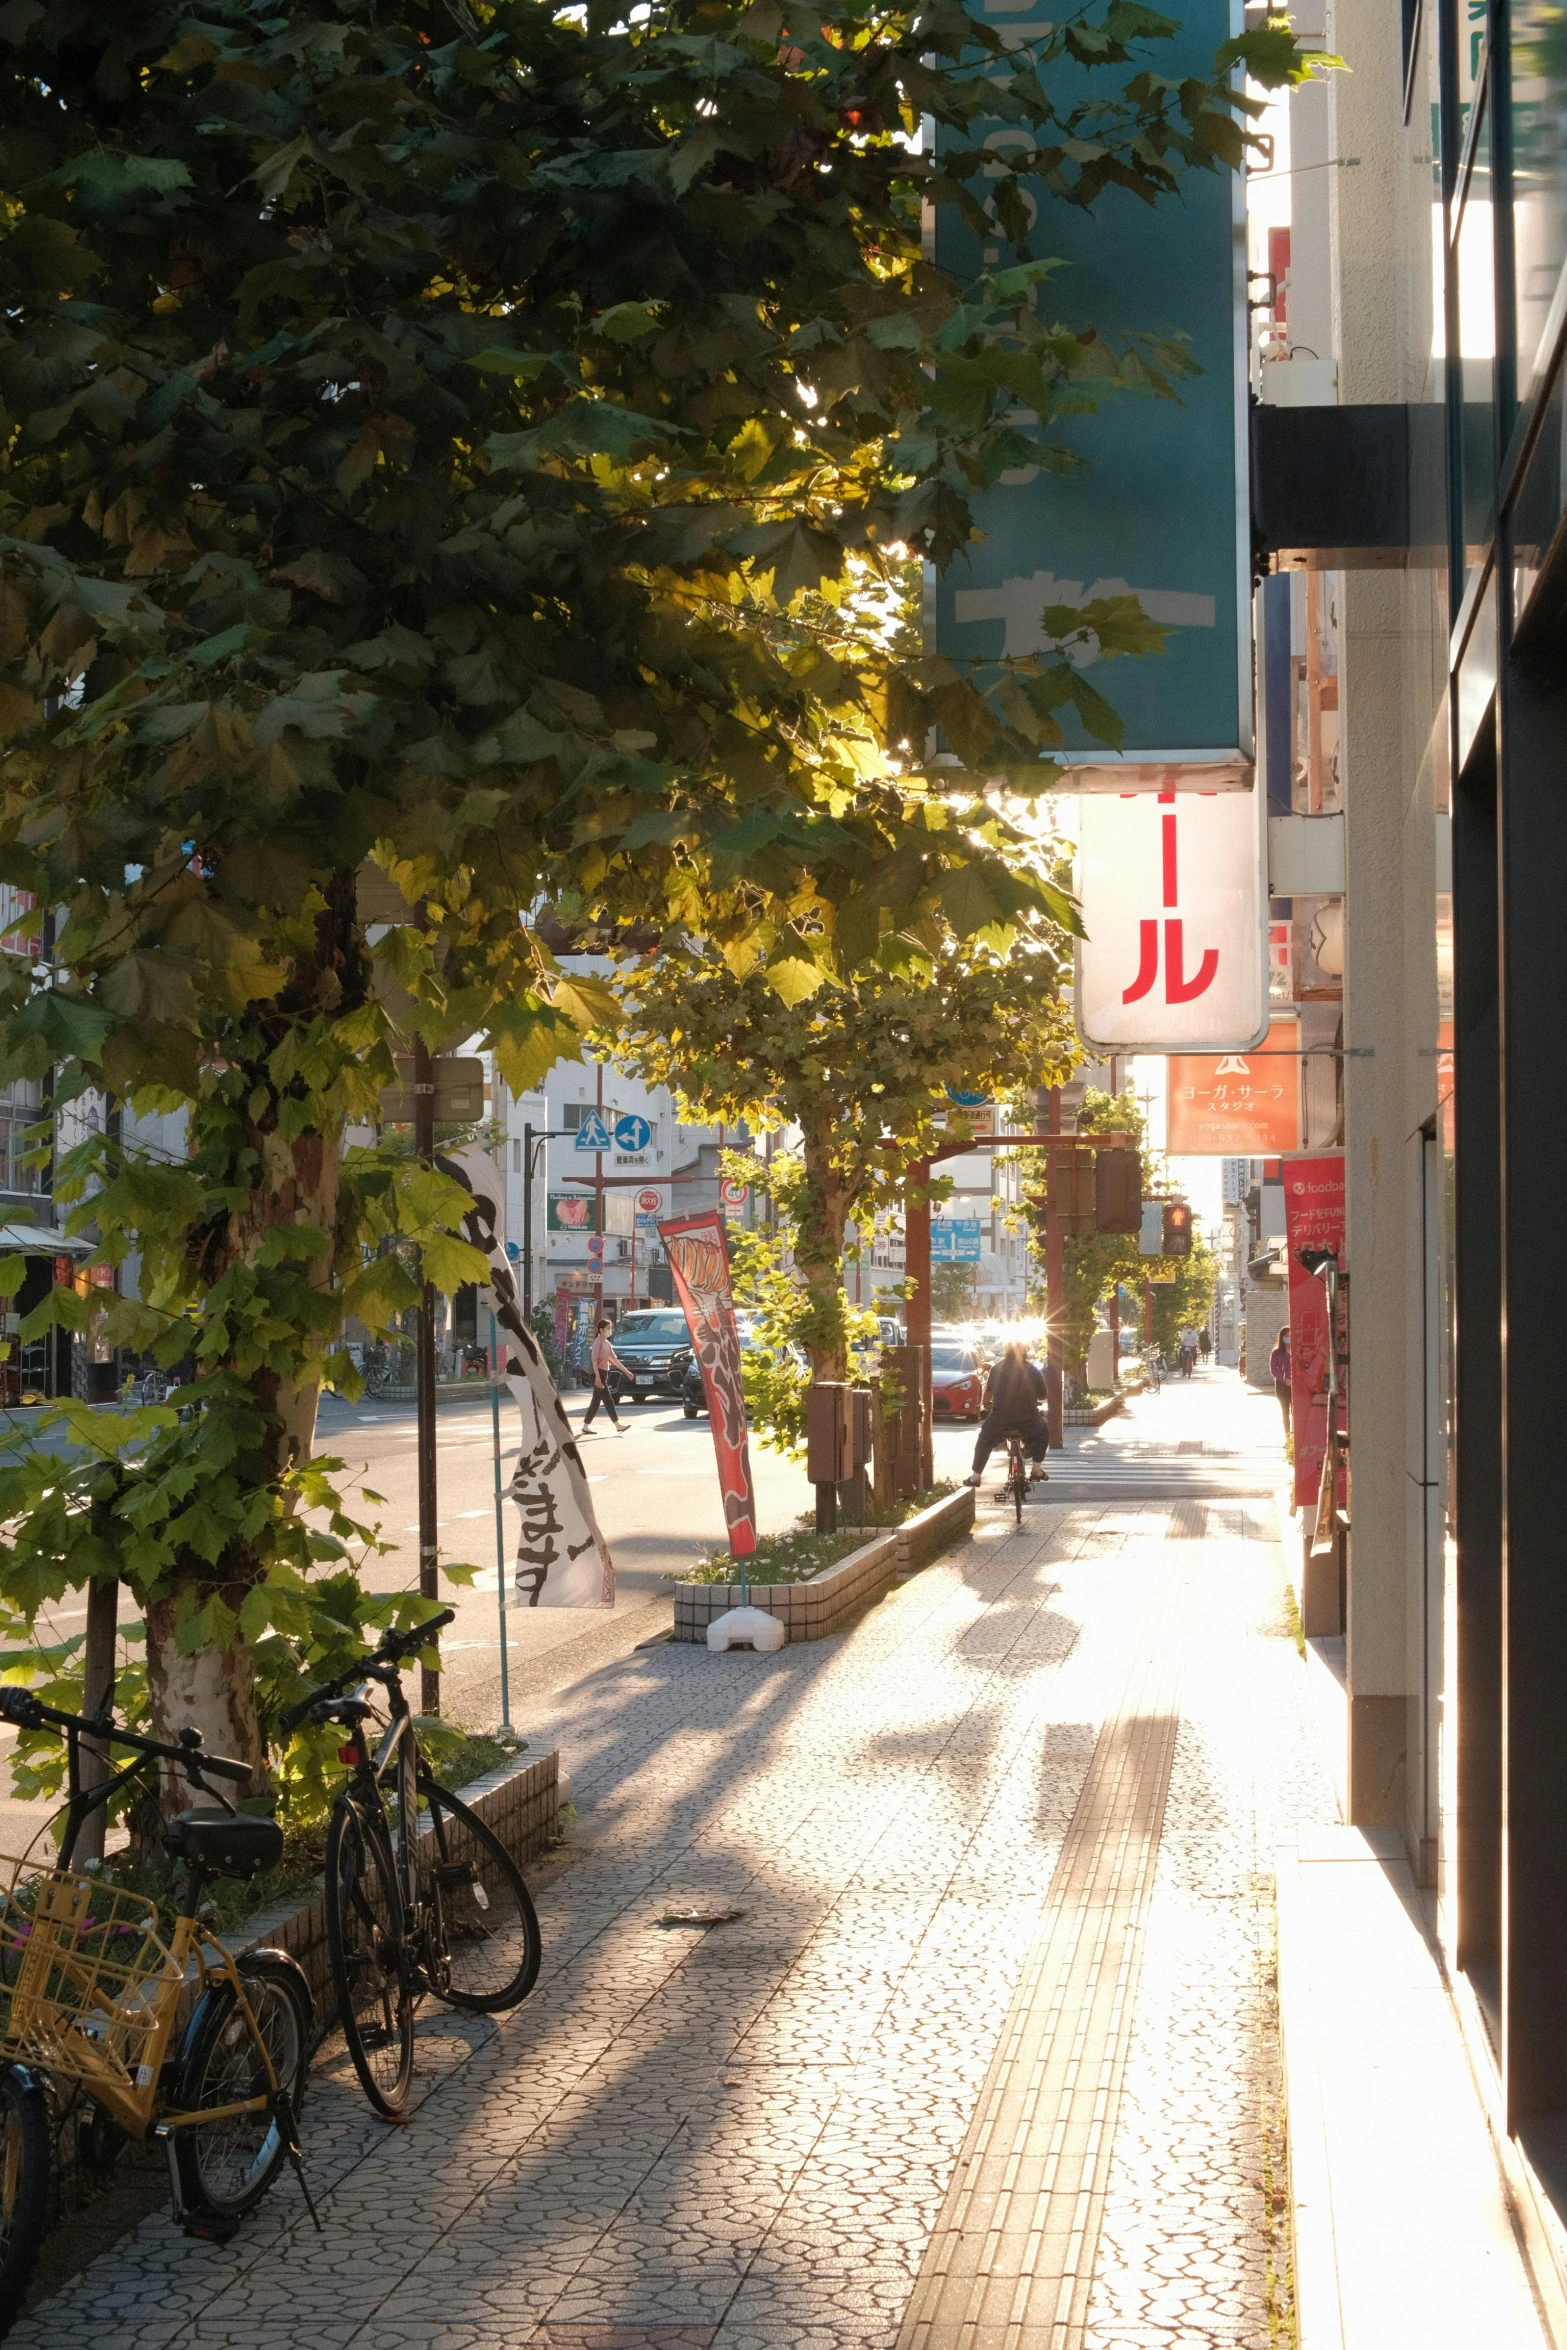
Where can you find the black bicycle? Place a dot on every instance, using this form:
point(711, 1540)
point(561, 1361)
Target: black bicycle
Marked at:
point(1017, 1473)
point(421, 1897)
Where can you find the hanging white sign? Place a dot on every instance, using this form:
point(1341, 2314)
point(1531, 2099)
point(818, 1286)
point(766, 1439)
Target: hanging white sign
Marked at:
point(1173, 891)
point(562, 1558)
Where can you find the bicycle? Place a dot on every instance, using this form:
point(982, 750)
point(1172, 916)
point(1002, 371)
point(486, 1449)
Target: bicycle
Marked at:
point(1155, 1372)
point(92, 1982)
point(1017, 1474)
point(410, 1909)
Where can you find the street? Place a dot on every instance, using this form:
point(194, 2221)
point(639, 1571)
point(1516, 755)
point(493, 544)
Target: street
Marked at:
point(655, 1490)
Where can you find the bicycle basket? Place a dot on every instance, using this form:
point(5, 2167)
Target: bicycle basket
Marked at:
point(83, 1976)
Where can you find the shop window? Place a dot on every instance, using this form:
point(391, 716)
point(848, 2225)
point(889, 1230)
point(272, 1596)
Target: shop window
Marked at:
point(1537, 83)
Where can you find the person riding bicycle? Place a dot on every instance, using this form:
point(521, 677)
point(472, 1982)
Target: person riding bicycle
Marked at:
point(1014, 1393)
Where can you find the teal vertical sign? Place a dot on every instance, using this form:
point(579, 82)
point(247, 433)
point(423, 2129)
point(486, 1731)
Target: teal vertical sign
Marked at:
point(1161, 507)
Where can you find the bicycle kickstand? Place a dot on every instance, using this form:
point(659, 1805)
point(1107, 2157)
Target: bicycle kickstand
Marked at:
point(288, 2130)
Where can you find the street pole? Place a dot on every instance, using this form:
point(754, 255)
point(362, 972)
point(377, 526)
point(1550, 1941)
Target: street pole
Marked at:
point(429, 1576)
point(1055, 1286)
point(98, 1656)
point(500, 1522)
point(527, 1226)
point(598, 1209)
point(916, 1265)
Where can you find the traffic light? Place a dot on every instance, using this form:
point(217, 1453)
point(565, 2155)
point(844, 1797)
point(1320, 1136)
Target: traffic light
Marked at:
point(1118, 1191)
point(1177, 1228)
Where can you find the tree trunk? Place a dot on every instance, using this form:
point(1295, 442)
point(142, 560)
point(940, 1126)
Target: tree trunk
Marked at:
point(825, 1209)
point(213, 1689)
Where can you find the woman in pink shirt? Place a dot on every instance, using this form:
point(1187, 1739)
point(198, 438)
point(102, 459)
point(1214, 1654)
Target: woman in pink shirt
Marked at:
point(604, 1360)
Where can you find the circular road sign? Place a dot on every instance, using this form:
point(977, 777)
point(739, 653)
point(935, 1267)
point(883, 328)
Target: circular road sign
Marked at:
point(967, 1101)
point(632, 1133)
point(595, 1244)
point(650, 1201)
point(733, 1195)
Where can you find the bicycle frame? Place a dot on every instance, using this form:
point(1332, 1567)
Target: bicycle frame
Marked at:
point(399, 1745)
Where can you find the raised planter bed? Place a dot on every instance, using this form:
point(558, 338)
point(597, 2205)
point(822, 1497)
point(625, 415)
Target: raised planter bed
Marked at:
point(812, 1609)
point(1093, 1415)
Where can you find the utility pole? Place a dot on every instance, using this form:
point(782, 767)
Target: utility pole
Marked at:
point(424, 1357)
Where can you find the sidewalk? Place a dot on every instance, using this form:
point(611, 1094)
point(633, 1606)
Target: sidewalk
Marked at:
point(996, 2023)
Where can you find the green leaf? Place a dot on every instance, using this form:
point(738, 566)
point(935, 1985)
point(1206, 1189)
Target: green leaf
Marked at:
point(794, 979)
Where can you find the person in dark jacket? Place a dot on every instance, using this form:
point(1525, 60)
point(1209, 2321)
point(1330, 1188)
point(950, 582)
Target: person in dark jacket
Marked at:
point(1013, 1397)
point(1279, 1365)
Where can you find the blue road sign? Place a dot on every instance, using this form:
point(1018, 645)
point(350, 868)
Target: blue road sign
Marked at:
point(955, 1240)
point(632, 1133)
point(1159, 507)
point(593, 1134)
point(967, 1101)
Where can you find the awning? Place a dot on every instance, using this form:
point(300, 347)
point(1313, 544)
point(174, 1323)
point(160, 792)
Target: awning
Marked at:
point(41, 1240)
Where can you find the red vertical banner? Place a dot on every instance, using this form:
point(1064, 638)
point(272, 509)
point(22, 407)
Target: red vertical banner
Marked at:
point(698, 1252)
point(1313, 1218)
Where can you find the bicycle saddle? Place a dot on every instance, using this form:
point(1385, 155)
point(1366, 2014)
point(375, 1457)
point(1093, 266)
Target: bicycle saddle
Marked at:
point(234, 1845)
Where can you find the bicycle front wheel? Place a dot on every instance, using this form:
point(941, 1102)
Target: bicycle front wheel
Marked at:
point(24, 2186)
point(483, 1931)
point(226, 2165)
point(371, 1967)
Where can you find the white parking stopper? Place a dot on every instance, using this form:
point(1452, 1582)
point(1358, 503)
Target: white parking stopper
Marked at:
point(746, 1627)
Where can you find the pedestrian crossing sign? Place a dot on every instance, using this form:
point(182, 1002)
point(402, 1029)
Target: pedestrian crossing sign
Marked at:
point(593, 1134)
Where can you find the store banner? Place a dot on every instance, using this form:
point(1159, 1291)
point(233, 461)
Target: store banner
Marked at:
point(1313, 1218)
point(1236, 1105)
point(698, 1252)
point(1174, 895)
point(1157, 503)
point(562, 1558)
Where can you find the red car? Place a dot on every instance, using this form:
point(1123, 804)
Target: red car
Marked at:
point(957, 1383)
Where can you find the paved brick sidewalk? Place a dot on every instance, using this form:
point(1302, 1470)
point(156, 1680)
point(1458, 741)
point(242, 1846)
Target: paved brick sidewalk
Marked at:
point(746, 2136)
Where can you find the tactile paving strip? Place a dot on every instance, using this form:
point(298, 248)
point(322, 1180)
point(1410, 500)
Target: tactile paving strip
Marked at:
point(1011, 2262)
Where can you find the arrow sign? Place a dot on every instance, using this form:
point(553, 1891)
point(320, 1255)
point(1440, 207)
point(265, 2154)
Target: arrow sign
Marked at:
point(593, 1134)
point(631, 1133)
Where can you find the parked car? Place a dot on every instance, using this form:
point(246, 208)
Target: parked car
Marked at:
point(655, 1346)
point(693, 1393)
point(957, 1382)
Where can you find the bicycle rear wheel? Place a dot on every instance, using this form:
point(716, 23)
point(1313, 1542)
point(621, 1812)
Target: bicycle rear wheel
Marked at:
point(226, 2166)
point(371, 1963)
point(483, 1930)
point(24, 2186)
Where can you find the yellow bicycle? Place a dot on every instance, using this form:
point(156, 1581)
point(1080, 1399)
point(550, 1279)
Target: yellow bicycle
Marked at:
point(162, 2028)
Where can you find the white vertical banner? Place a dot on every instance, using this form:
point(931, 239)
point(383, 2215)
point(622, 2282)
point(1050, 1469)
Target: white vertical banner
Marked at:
point(1174, 894)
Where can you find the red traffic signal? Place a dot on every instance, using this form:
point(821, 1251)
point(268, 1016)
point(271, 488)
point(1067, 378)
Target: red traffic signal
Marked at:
point(1177, 1228)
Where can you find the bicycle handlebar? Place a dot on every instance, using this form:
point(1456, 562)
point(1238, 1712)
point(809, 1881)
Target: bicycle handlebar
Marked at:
point(393, 1649)
point(26, 1712)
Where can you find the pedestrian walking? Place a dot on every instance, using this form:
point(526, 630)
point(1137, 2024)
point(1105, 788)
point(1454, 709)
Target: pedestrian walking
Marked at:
point(1204, 1345)
point(1188, 1350)
point(603, 1359)
point(1279, 1365)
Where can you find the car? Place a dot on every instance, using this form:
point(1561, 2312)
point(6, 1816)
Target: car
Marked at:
point(957, 1382)
point(654, 1345)
point(693, 1393)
